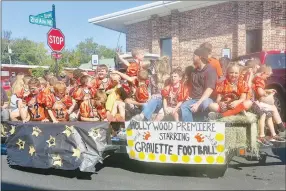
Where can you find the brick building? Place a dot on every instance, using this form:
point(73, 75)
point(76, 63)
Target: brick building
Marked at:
point(177, 28)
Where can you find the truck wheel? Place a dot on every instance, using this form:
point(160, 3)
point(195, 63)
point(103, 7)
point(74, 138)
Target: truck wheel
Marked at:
point(262, 159)
point(280, 104)
point(217, 171)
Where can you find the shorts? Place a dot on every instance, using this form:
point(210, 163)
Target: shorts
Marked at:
point(257, 110)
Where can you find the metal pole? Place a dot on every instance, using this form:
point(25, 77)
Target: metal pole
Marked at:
point(55, 26)
point(9, 53)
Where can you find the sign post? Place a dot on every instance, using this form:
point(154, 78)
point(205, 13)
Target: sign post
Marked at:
point(56, 39)
point(94, 60)
point(54, 26)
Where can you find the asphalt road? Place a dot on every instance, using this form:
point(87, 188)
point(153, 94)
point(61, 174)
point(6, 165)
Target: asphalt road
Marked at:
point(120, 173)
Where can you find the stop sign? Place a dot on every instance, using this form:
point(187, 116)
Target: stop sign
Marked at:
point(56, 40)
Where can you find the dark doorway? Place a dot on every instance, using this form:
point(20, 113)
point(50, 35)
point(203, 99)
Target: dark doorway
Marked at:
point(253, 41)
point(166, 48)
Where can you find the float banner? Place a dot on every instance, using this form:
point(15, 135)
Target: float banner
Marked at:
point(176, 142)
point(66, 146)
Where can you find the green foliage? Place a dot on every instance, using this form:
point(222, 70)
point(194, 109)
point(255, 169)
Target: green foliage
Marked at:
point(88, 47)
point(38, 72)
point(25, 51)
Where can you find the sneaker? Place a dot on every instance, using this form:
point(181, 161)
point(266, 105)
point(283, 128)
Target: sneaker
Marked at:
point(263, 141)
point(214, 115)
point(138, 117)
point(243, 113)
point(281, 129)
point(277, 138)
point(122, 134)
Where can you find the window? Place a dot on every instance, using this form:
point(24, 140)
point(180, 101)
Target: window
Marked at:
point(4, 73)
point(253, 41)
point(166, 48)
point(276, 61)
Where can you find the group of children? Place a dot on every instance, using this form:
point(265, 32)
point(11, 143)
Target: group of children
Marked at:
point(244, 89)
point(111, 95)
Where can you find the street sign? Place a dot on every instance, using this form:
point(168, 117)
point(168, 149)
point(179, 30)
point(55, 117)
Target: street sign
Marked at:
point(39, 20)
point(46, 15)
point(226, 53)
point(94, 60)
point(56, 40)
point(56, 55)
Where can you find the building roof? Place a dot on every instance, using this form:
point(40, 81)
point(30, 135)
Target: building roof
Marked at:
point(119, 20)
point(109, 62)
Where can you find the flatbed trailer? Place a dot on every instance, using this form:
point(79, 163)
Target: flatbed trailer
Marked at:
point(113, 145)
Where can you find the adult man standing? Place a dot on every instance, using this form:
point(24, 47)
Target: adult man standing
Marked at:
point(12, 78)
point(213, 61)
point(202, 82)
point(4, 105)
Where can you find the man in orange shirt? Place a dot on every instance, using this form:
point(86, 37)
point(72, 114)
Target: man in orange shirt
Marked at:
point(213, 61)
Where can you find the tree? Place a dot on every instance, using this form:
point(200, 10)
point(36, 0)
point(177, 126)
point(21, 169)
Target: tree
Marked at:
point(70, 58)
point(25, 51)
point(28, 52)
point(5, 43)
point(38, 72)
point(88, 47)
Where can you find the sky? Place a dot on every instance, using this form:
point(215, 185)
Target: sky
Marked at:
point(71, 17)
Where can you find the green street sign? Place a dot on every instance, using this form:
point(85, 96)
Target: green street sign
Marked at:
point(40, 21)
point(46, 15)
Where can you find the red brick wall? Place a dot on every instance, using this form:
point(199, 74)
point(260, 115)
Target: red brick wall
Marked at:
point(223, 25)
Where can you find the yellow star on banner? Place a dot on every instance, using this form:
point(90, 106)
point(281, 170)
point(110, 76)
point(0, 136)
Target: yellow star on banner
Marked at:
point(76, 153)
point(57, 160)
point(36, 131)
point(68, 131)
point(21, 144)
point(3, 132)
point(94, 133)
point(51, 141)
point(12, 131)
point(32, 150)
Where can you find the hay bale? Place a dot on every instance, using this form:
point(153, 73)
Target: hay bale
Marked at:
point(241, 119)
point(241, 131)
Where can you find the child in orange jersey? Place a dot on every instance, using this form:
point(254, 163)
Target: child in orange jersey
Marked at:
point(35, 110)
point(231, 96)
point(102, 81)
point(139, 94)
point(25, 89)
point(265, 97)
point(94, 109)
point(44, 85)
point(249, 72)
point(173, 96)
point(136, 64)
point(59, 104)
point(84, 92)
point(115, 105)
point(72, 87)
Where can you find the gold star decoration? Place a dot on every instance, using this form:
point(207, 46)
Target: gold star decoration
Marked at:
point(68, 131)
point(12, 131)
point(51, 141)
point(32, 150)
point(21, 144)
point(94, 133)
point(57, 160)
point(76, 153)
point(3, 132)
point(36, 131)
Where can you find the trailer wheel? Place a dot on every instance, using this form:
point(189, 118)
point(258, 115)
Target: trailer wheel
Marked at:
point(217, 171)
point(262, 159)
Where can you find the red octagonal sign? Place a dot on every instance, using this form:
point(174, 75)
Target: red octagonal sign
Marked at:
point(56, 40)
